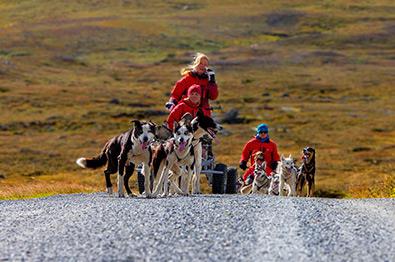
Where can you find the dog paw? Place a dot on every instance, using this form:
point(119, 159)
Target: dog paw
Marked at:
point(132, 195)
point(109, 190)
point(121, 195)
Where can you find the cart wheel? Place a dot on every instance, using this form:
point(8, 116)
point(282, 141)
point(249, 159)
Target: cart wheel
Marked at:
point(231, 179)
point(219, 179)
point(140, 181)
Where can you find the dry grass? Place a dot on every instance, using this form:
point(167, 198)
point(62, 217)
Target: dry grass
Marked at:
point(319, 74)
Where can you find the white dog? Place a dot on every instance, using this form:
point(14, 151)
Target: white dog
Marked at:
point(288, 175)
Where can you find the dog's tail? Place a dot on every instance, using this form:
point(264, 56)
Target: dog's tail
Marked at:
point(94, 162)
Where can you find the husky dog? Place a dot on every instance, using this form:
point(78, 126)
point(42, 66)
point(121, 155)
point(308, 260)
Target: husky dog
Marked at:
point(122, 153)
point(307, 171)
point(288, 174)
point(176, 153)
point(261, 181)
point(198, 127)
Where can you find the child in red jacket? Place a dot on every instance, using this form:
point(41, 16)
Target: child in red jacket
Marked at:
point(261, 142)
point(190, 104)
point(196, 73)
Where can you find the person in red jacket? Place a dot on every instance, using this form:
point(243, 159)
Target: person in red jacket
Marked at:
point(199, 74)
point(261, 142)
point(190, 104)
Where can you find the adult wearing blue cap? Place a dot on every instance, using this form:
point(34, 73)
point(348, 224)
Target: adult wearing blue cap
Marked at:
point(261, 142)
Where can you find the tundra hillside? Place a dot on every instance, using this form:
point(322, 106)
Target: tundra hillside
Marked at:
point(74, 73)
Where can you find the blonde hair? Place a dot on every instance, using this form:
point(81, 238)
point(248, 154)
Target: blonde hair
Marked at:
point(196, 61)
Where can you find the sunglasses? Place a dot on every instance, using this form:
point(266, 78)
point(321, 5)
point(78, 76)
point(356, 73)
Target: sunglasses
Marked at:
point(259, 159)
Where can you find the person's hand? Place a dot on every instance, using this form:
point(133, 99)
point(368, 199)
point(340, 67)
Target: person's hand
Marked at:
point(243, 165)
point(211, 75)
point(169, 106)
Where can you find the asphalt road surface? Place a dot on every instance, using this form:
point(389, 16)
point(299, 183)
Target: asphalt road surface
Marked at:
point(97, 227)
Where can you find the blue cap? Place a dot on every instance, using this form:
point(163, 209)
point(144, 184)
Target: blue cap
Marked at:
point(262, 128)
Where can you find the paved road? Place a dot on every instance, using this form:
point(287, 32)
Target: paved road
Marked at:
point(96, 227)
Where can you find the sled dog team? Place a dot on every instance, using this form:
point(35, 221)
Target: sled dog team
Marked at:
point(287, 178)
point(176, 157)
point(169, 155)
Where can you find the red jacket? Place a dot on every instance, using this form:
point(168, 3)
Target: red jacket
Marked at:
point(185, 106)
point(248, 172)
point(209, 90)
point(254, 145)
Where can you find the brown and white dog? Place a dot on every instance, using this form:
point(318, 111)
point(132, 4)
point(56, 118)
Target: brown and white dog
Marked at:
point(261, 182)
point(122, 153)
point(307, 172)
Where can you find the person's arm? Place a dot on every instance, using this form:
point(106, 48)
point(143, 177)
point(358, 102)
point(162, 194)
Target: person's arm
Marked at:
point(275, 158)
point(212, 91)
point(245, 155)
point(249, 172)
point(175, 115)
point(179, 89)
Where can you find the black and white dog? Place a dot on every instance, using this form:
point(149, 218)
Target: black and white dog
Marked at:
point(288, 175)
point(307, 172)
point(201, 125)
point(122, 153)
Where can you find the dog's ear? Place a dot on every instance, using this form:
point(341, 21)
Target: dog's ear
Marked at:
point(163, 132)
point(152, 126)
point(282, 157)
point(152, 123)
point(136, 123)
point(187, 118)
point(175, 126)
point(290, 156)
